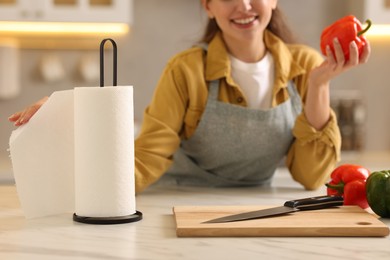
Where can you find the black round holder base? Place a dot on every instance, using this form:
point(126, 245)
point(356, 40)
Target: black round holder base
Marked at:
point(137, 216)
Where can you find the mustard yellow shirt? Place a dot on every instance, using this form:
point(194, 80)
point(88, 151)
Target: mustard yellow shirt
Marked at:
point(180, 99)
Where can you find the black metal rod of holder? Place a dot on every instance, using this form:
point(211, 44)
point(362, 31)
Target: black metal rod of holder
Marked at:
point(115, 59)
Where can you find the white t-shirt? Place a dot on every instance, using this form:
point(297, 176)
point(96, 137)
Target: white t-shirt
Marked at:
point(256, 80)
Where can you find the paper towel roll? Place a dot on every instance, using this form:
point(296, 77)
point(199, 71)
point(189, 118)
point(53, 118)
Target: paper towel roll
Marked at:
point(104, 151)
point(9, 68)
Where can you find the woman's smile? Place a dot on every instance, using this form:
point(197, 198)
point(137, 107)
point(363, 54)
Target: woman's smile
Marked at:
point(245, 22)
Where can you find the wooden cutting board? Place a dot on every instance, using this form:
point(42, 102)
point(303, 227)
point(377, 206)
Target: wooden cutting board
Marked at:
point(345, 221)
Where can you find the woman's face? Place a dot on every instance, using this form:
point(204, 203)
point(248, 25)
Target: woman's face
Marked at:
point(240, 19)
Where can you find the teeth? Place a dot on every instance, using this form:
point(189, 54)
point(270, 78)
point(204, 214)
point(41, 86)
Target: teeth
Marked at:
point(245, 20)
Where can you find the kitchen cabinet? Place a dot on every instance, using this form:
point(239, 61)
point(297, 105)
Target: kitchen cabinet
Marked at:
point(102, 11)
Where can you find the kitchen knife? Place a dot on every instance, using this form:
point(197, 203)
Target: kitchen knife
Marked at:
point(312, 203)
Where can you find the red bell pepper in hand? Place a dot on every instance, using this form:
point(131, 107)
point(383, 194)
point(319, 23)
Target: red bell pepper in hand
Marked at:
point(349, 181)
point(347, 29)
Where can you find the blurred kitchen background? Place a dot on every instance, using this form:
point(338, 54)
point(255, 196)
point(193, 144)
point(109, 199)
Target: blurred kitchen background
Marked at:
point(35, 66)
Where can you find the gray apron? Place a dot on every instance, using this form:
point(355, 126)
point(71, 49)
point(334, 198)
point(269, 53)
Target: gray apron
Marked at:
point(234, 145)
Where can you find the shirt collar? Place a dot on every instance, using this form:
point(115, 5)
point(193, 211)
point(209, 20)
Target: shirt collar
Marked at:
point(218, 62)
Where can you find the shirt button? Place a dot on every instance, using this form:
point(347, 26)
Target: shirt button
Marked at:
point(240, 99)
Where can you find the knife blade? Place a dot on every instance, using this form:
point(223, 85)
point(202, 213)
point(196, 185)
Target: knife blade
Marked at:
point(312, 203)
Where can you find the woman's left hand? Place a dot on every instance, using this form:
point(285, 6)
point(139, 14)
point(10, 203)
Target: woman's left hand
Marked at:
point(335, 64)
point(317, 107)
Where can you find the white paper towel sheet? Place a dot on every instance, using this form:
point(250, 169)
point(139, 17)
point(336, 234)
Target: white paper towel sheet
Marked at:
point(77, 154)
point(42, 154)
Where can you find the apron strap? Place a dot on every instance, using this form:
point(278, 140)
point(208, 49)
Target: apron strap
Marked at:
point(213, 90)
point(213, 85)
point(296, 101)
point(203, 45)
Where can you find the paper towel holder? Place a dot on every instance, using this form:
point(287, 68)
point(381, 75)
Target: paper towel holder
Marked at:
point(114, 63)
point(112, 219)
point(137, 216)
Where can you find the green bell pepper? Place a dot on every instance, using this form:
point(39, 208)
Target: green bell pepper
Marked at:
point(378, 192)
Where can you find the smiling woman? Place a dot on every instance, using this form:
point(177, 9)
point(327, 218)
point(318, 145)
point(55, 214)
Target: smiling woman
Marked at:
point(242, 21)
point(227, 111)
point(276, 25)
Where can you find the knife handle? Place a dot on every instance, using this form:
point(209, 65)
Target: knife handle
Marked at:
point(312, 203)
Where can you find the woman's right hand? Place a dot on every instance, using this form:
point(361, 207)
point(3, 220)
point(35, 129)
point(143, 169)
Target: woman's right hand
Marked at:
point(22, 117)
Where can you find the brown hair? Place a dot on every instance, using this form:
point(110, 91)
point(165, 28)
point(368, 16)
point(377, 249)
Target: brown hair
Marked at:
point(277, 26)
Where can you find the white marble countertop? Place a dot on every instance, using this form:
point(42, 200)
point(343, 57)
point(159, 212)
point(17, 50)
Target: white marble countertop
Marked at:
point(374, 160)
point(154, 237)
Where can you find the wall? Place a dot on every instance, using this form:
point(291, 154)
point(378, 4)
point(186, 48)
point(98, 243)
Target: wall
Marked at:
point(162, 28)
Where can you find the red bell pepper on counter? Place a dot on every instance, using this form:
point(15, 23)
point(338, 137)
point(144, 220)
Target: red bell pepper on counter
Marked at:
point(347, 29)
point(349, 181)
